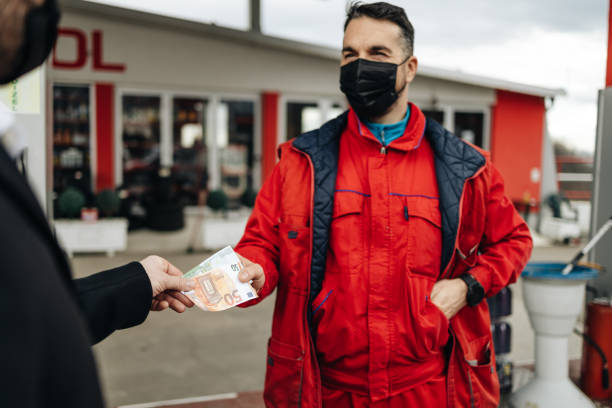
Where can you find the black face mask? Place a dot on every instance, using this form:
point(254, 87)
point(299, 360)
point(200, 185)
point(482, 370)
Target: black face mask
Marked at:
point(39, 35)
point(369, 86)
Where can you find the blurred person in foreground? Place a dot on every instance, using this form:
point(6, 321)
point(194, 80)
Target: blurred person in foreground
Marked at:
point(48, 321)
point(383, 234)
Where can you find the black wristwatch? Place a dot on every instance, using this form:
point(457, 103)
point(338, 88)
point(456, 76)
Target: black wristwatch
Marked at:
point(475, 292)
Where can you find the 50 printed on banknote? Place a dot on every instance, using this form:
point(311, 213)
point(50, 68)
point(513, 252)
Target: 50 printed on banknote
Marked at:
point(217, 285)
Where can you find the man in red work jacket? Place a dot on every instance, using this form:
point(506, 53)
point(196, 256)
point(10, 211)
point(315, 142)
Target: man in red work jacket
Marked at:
point(383, 233)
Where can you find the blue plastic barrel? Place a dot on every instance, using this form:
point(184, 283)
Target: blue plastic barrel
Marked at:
point(552, 270)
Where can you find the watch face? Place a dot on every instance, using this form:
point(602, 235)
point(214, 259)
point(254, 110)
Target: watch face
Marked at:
point(475, 290)
point(475, 294)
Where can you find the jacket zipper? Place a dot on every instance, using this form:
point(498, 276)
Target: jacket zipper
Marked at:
point(450, 262)
point(383, 150)
point(310, 341)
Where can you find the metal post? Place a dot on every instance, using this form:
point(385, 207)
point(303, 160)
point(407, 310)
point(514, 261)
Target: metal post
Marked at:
point(602, 192)
point(601, 202)
point(255, 15)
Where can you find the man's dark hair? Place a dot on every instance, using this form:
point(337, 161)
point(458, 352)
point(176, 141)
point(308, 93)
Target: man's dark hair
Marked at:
point(384, 11)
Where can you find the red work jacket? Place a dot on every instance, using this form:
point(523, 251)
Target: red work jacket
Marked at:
point(383, 259)
point(289, 235)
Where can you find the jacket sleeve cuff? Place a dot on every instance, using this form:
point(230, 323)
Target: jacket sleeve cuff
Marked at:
point(115, 299)
point(254, 256)
point(483, 275)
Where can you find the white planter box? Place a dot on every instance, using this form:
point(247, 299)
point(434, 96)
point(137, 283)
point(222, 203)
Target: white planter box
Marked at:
point(218, 232)
point(204, 229)
point(106, 235)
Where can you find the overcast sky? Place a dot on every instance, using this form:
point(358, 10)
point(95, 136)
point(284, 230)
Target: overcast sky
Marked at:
point(551, 43)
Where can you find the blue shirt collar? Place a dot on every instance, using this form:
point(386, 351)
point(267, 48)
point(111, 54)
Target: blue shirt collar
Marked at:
point(386, 133)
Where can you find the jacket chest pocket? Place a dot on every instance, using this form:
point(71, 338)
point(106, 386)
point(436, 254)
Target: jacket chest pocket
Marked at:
point(346, 232)
point(294, 245)
point(422, 220)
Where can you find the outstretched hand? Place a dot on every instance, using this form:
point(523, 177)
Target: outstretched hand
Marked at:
point(252, 272)
point(167, 281)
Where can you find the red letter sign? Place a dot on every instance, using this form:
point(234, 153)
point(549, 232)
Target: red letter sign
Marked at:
point(81, 49)
point(98, 64)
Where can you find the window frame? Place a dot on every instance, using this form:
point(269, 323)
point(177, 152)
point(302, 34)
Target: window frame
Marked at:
point(166, 128)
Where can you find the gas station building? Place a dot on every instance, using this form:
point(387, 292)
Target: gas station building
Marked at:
point(129, 93)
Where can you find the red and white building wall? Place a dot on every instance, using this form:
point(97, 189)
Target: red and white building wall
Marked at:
point(251, 86)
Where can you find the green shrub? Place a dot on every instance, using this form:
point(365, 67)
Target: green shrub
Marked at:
point(248, 198)
point(108, 202)
point(70, 203)
point(217, 200)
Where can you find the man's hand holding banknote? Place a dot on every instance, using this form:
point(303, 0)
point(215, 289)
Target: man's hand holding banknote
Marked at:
point(224, 280)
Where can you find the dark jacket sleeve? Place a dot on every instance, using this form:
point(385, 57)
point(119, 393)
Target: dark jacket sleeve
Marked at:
point(115, 299)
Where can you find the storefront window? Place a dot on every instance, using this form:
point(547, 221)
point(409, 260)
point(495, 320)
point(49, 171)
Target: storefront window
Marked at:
point(302, 117)
point(235, 144)
point(469, 126)
point(436, 115)
point(71, 139)
point(335, 111)
point(141, 136)
point(189, 171)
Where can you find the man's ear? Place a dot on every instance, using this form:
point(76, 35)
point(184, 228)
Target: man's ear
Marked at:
point(411, 69)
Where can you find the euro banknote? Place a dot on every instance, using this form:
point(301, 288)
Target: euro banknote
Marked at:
point(217, 285)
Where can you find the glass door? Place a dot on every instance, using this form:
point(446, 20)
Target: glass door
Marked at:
point(140, 142)
point(235, 147)
point(189, 170)
point(435, 114)
point(469, 126)
point(302, 117)
point(334, 111)
point(71, 140)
